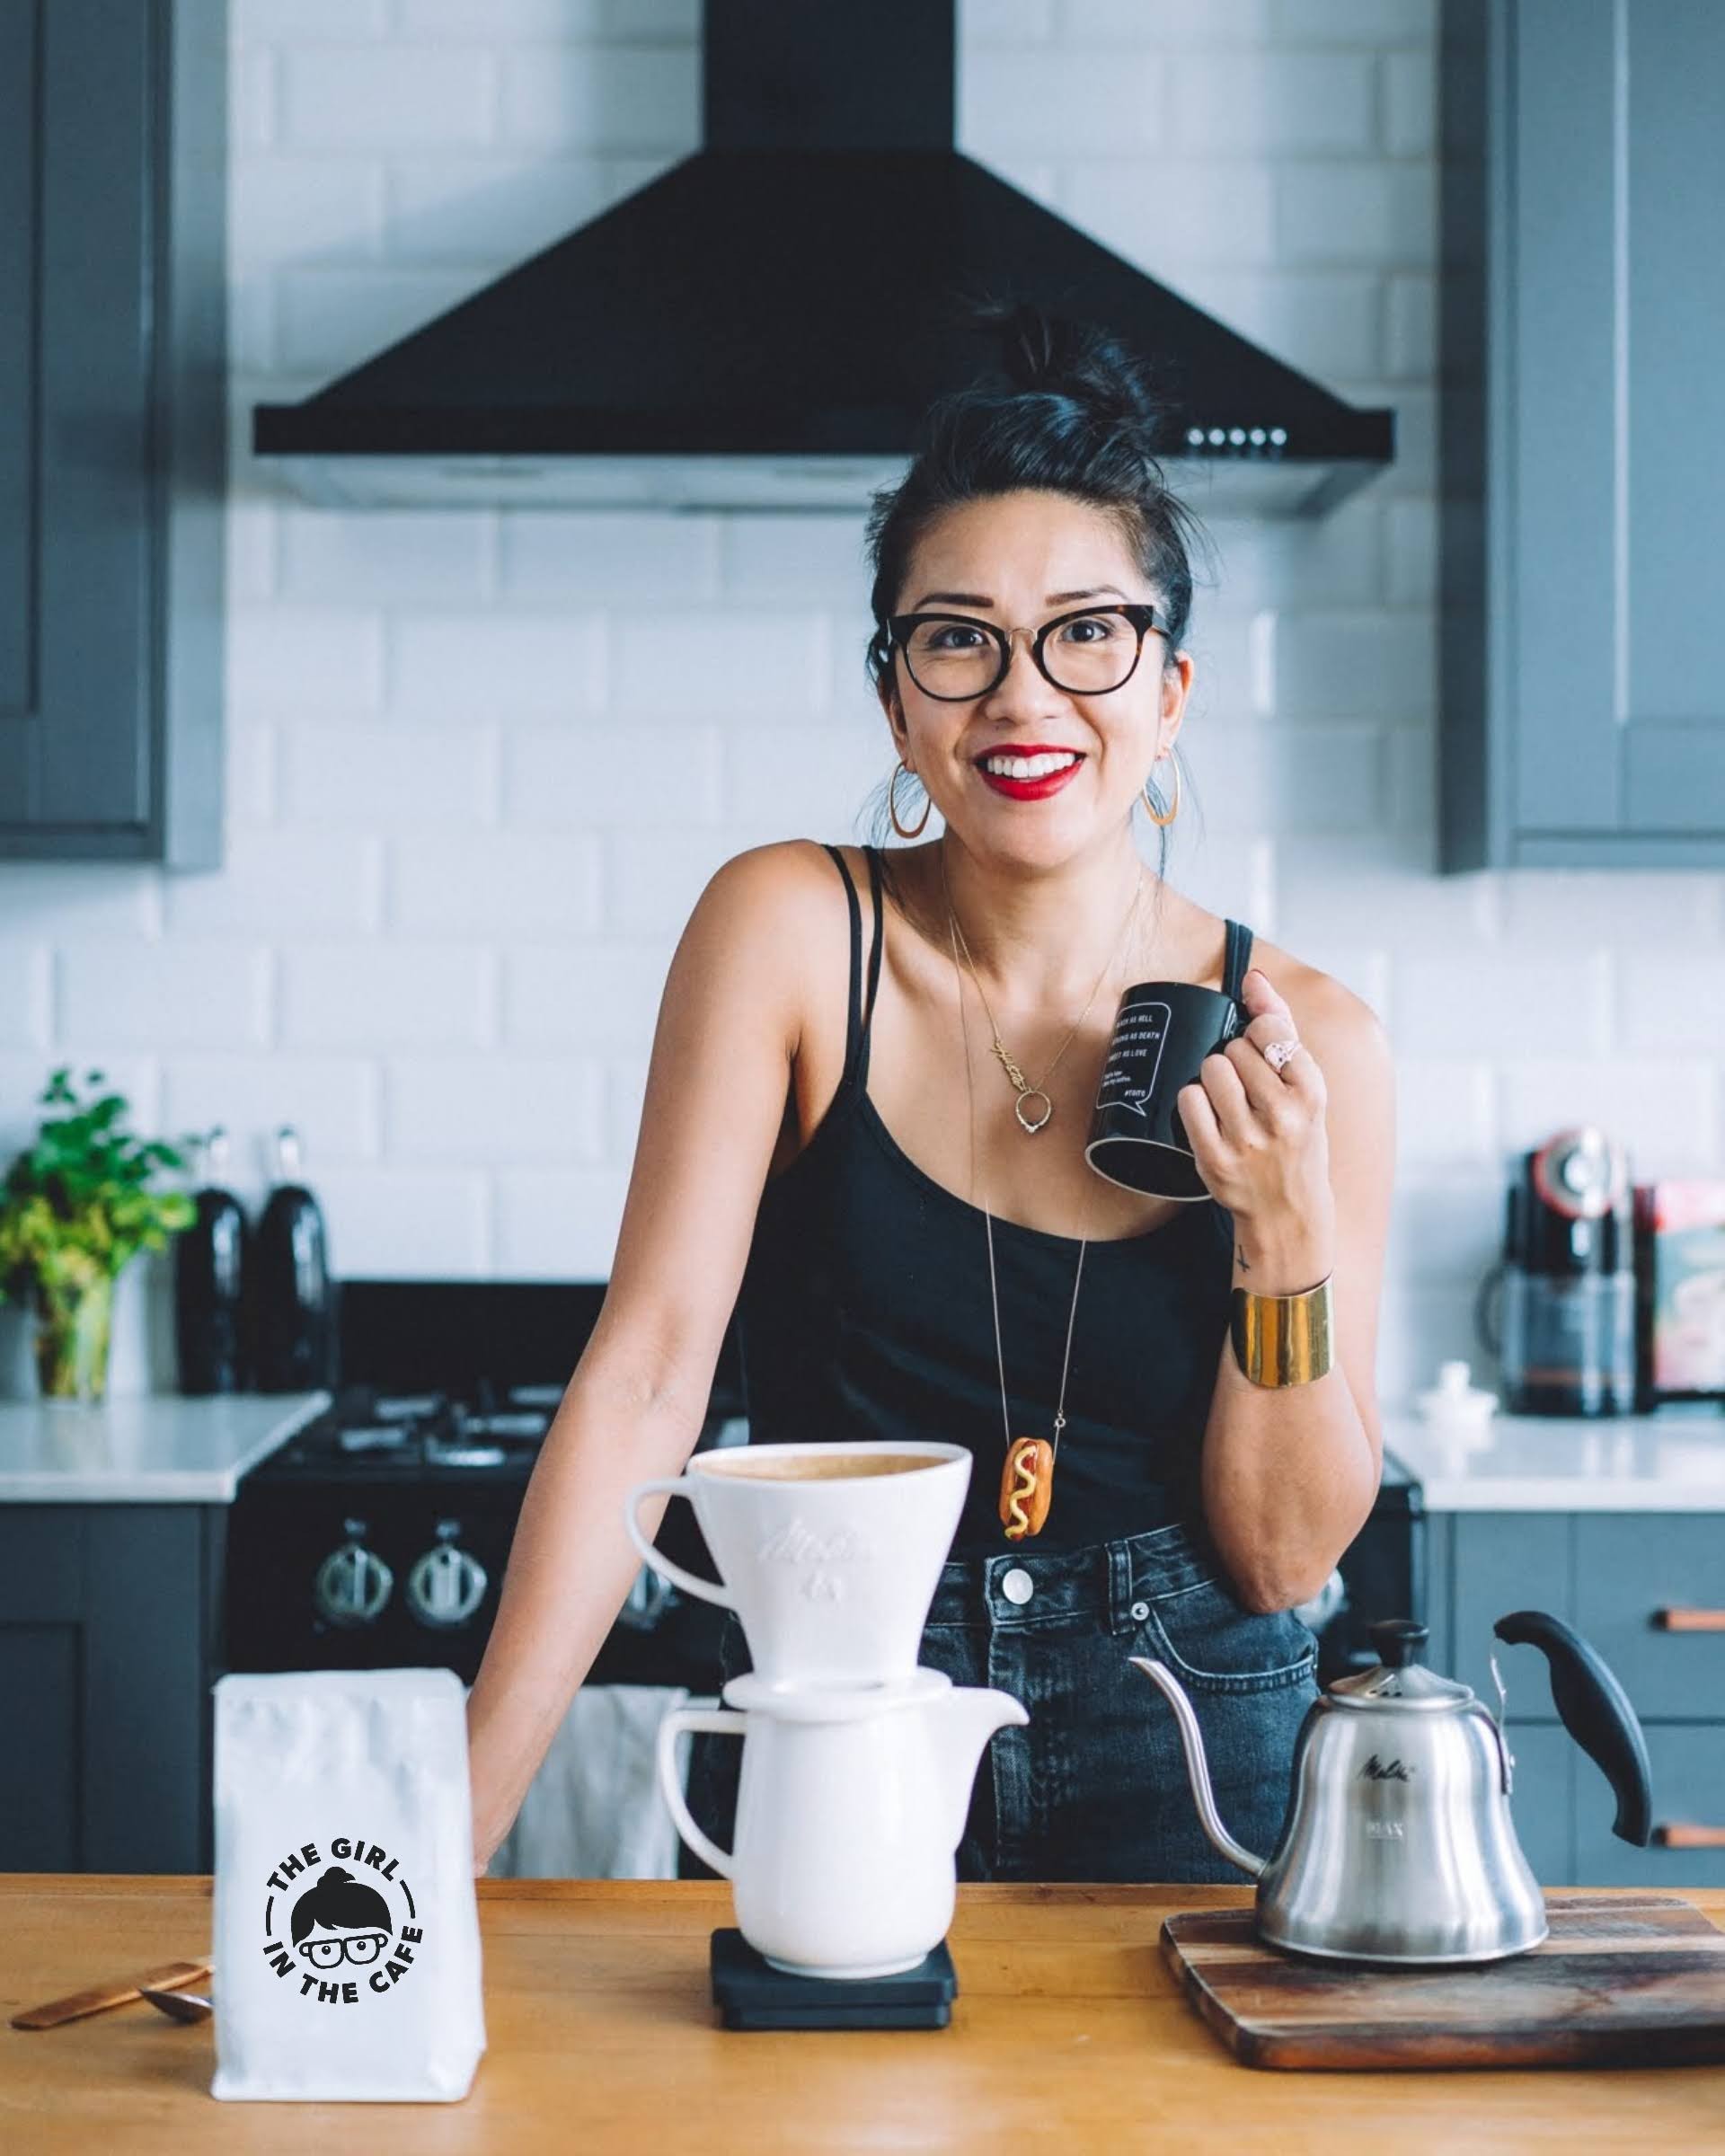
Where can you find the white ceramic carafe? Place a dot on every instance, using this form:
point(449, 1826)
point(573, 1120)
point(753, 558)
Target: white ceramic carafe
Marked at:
point(851, 1809)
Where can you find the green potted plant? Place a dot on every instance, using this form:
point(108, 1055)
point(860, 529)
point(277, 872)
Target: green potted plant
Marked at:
point(73, 1209)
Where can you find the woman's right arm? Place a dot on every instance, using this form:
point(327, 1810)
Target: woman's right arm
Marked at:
point(726, 1042)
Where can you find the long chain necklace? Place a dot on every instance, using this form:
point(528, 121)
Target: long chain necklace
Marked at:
point(1027, 1473)
point(1025, 1088)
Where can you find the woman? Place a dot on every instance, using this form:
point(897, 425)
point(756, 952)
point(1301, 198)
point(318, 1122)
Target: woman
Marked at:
point(895, 1181)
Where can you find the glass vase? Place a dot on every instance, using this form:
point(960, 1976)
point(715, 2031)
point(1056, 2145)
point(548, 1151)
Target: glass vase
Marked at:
point(71, 1340)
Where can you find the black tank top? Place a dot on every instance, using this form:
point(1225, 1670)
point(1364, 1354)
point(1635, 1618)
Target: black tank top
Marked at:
point(865, 1313)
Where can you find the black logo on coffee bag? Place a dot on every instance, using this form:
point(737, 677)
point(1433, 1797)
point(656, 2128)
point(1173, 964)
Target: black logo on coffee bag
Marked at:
point(338, 1933)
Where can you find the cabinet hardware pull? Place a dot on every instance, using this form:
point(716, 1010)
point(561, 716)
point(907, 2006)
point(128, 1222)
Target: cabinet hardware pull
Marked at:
point(1689, 1621)
point(1676, 1836)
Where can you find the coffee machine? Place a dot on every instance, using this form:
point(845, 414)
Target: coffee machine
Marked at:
point(1567, 1326)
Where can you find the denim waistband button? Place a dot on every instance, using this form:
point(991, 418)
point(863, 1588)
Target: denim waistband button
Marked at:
point(1017, 1585)
point(1140, 1611)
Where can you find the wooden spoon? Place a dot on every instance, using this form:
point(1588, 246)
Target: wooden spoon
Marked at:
point(99, 1997)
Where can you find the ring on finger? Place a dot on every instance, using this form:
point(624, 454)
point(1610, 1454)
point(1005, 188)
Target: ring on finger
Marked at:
point(1279, 1053)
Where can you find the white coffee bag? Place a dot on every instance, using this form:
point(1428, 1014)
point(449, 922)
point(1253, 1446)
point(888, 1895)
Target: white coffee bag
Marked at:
point(346, 1935)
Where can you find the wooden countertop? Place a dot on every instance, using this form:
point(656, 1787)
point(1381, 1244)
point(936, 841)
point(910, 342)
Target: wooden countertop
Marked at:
point(1068, 2035)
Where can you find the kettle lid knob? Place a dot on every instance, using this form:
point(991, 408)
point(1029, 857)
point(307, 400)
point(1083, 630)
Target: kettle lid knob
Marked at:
point(1397, 1640)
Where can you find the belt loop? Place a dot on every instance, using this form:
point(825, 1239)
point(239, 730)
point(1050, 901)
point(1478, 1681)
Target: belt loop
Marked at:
point(1120, 1584)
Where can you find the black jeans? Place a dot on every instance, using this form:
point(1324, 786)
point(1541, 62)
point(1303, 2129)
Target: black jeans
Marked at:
point(1095, 1787)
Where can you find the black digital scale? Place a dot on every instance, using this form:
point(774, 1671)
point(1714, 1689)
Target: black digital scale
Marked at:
point(751, 1993)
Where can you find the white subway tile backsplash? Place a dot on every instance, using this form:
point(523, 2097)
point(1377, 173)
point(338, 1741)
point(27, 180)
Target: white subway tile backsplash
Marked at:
point(1446, 1112)
point(395, 776)
point(304, 658)
point(371, 556)
point(1447, 1228)
point(653, 774)
point(1327, 890)
point(189, 992)
point(604, 558)
point(397, 96)
point(1003, 21)
point(331, 1101)
point(591, 997)
point(1345, 664)
point(1048, 103)
point(1411, 552)
point(1266, 101)
point(483, 665)
point(652, 879)
point(816, 779)
point(1651, 910)
point(1668, 1005)
point(767, 561)
point(1410, 103)
point(249, 771)
point(1665, 1110)
point(276, 882)
point(1354, 22)
point(387, 994)
point(1167, 212)
point(487, 209)
point(1325, 321)
point(458, 20)
point(1410, 325)
point(1503, 1005)
point(1357, 212)
point(300, 210)
point(626, 1090)
point(558, 1223)
point(1165, 23)
point(481, 1108)
point(397, 1223)
point(331, 319)
point(687, 662)
point(57, 900)
point(617, 97)
point(519, 883)
point(24, 982)
point(258, 20)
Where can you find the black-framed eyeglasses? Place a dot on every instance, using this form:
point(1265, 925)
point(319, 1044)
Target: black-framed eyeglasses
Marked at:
point(359, 1947)
point(954, 657)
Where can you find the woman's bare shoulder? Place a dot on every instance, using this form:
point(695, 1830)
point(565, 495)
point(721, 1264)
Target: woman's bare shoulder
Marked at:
point(1328, 1013)
point(777, 909)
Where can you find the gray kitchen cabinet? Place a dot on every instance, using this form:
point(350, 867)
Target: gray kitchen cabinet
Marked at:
point(1582, 429)
point(1613, 1575)
point(112, 428)
point(109, 1632)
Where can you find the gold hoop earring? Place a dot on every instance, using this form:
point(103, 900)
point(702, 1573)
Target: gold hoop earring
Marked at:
point(1163, 822)
point(892, 802)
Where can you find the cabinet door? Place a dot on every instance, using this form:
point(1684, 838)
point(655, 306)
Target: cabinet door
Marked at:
point(1616, 489)
point(76, 83)
point(1504, 1561)
point(106, 1639)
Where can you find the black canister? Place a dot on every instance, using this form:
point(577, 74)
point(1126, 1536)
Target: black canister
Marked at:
point(295, 1300)
point(1568, 1340)
point(211, 1269)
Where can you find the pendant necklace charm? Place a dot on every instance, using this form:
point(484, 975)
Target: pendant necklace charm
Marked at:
point(1025, 1090)
point(1026, 1487)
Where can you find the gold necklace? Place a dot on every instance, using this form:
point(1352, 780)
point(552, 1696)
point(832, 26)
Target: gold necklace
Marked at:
point(1027, 1471)
point(1025, 1088)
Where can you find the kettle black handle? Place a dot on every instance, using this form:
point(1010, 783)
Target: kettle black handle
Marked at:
point(1597, 1712)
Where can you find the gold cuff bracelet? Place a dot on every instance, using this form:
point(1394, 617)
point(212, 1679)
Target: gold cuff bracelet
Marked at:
point(1282, 1339)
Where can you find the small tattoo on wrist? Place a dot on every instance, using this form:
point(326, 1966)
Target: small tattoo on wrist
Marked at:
point(1240, 1259)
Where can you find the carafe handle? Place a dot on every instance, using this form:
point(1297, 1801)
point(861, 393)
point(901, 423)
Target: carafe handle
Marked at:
point(713, 1721)
point(1597, 1712)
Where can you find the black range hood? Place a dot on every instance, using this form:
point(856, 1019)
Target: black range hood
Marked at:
point(765, 324)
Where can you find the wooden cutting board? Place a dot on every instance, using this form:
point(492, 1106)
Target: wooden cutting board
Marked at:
point(1623, 1979)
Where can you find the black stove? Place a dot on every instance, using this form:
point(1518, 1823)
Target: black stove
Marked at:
point(378, 1536)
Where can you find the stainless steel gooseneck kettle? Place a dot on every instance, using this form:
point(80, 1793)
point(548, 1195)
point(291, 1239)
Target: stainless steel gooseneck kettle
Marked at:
point(1398, 1845)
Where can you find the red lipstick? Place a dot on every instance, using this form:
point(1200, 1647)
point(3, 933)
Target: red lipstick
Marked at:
point(1031, 790)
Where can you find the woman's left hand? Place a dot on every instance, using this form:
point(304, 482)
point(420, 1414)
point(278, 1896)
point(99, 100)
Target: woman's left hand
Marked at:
point(1258, 1135)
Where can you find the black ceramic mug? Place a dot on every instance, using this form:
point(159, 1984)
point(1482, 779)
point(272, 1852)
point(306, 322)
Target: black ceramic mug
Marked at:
point(1162, 1031)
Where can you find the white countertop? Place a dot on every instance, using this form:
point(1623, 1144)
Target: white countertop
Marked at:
point(1670, 1462)
point(158, 1448)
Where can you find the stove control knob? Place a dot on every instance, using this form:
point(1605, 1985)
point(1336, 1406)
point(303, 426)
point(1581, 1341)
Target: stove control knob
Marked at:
point(353, 1583)
point(447, 1583)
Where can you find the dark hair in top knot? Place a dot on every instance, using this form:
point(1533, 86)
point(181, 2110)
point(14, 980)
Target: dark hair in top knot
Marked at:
point(339, 1902)
point(1069, 411)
